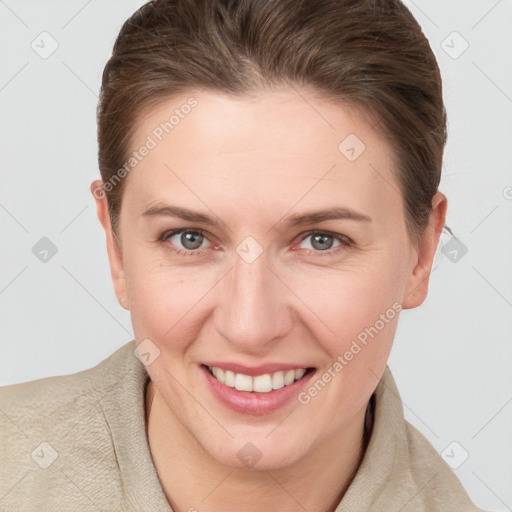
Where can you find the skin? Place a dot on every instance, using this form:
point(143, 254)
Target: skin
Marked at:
point(252, 162)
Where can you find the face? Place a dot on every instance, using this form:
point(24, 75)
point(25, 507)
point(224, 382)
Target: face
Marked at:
point(262, 242)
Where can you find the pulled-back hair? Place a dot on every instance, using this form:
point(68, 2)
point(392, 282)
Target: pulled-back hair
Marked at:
point(367, 53)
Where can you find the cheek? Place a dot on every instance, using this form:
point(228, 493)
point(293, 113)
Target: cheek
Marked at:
point(167, 303)
point(357, 304)
point(362, 309)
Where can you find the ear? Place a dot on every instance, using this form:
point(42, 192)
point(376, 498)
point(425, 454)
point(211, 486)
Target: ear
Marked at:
point(422, 256)
point(114, 251)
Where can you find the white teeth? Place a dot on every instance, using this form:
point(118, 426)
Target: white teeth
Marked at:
point(259, 384)
point(243, 382)
point(262, 383)
point(229, 379)
point(289, 377)
point(220, 375)
point(278, 380)
point(298, 373)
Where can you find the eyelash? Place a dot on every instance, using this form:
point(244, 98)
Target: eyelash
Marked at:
point(344, 241)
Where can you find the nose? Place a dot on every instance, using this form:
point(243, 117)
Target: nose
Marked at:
point(252, 312)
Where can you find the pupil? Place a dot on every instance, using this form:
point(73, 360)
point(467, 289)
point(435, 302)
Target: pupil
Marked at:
point(191, 240)
point(322, 242)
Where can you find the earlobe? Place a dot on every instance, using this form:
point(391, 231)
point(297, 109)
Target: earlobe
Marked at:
point(114, 251)
point(422, 257)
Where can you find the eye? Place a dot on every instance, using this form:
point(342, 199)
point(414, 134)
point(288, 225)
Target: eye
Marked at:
point(186, 241)
point(193, 242)
point(324, 241)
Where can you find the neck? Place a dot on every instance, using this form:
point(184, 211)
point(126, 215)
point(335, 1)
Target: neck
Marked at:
point(194, 482)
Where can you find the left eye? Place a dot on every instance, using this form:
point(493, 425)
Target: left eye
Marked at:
point(189, 240)
point(322, 241)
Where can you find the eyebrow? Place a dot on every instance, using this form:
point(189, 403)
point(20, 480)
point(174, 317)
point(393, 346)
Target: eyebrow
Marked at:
point(181, 213)
point(311, 217)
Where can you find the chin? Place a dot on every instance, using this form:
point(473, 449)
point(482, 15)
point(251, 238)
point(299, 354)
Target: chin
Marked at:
point(258, 454)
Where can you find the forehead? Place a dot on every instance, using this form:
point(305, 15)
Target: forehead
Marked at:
point(272, 148)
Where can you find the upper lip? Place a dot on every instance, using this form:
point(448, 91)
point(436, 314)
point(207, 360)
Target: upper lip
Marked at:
point(254, 371)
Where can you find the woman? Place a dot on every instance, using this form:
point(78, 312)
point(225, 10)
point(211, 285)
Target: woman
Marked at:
point(270, 201)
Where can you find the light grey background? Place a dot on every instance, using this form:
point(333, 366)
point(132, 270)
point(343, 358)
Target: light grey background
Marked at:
point(452, 357)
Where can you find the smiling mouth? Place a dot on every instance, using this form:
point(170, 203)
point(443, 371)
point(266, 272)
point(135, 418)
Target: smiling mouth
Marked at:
point(259, 384)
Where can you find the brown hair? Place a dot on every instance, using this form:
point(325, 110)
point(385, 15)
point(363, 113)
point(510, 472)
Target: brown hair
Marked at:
point(369, 53)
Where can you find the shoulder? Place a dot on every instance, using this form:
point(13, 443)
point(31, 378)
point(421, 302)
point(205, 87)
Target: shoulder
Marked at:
point(435, 479)
point(59, 390)
point(401, 470)
point(436, 484)
point(54, 436)
point(54, 400)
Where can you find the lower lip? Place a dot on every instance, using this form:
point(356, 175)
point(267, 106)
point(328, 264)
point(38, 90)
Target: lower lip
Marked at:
point(255, 403)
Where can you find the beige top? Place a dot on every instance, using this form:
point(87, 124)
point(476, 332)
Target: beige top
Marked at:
point(78, 443)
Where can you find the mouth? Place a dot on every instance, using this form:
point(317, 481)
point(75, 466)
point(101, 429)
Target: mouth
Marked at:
point(264, 383)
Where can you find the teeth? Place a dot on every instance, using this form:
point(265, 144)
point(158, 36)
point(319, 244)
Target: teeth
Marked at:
point(243, 382)
point(260, 384)
point(278, 380)
point(289, 377)
point(298, 373)
point(229, 379)
point(219, 374)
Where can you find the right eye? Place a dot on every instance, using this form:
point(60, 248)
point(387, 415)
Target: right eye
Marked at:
point(186, 241)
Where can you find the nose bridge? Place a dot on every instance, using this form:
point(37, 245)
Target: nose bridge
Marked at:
point(253, 313)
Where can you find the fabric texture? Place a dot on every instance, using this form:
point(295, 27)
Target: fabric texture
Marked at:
point(78, 443)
